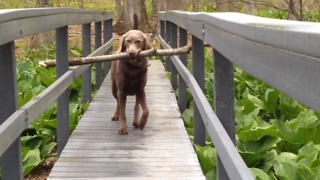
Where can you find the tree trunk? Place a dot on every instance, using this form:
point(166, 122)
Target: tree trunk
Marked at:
point(295, 8)
point(155, 9)
point(195, 5)
point(137, 7)
point(221, 5)
point(119, 9)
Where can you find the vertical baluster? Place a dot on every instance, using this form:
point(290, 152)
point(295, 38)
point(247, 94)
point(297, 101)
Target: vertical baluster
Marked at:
point(11, 164)
point(162, 33)
point(198, 72)
point(107, 35)
point(86, 49)
point(224, 100)
point(63, 132)
point(182, 92)
point(98, 43)
point(173, 37)
point(168, 40)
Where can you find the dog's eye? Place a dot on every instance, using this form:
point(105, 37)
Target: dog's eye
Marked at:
point(138, 42)
point(129, 41)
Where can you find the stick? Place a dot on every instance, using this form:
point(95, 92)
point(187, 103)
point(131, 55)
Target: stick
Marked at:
point(113, 57)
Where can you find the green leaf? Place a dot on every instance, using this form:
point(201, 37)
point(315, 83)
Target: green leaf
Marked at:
point(258, 174)
point(47, 149)
point(264, 144)
point(31, 160)
point(34, 142)
point(207, 157)
point(257, 133)
point(187, 117)
point(271, 98)
point(285, 166)
point(257, 102)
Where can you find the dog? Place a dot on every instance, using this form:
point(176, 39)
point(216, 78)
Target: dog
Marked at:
point(129, 77)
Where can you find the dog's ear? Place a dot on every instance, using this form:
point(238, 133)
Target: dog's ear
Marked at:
point(122, 48)
point(146, 43)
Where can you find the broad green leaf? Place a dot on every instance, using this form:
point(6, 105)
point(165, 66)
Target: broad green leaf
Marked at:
point(47, 149)
point(256, 134)
point(258, 174)
point(248, 106)
point(207, 157)
point(264, 144)
point(31, 160)
point(308, 154)
point(187, 117)
point(271, 98)
point(304, 119)
point(285, 166)
point(256, 101)
point(34, 142)
point(211, 174)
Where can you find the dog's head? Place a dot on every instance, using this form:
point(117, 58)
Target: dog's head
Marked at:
point(132, 43)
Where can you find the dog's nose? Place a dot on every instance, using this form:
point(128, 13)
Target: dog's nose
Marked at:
point(131, 54)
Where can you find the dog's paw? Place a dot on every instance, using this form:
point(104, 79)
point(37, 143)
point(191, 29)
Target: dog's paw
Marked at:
point(123, 131)
point(136, 125)
point(115, 118)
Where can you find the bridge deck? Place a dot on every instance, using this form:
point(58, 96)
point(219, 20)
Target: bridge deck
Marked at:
point(161, 151)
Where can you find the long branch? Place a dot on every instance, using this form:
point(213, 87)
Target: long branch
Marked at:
point(119, 56)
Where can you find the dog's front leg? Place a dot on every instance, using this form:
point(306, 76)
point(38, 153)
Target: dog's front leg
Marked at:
point(122, 99)
point(142, 100)
point(136, 113)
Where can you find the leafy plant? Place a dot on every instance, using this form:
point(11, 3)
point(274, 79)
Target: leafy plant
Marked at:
point(39, 139)
point(277, 137)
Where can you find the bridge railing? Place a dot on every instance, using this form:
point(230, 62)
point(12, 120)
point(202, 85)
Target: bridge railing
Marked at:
point(17, 23)
point(284, 54)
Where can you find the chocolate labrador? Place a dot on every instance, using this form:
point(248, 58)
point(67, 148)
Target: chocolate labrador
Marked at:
point(129, 77)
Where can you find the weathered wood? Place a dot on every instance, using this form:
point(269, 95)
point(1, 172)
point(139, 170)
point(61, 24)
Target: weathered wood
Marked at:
point(161, 151)
point(114, 57)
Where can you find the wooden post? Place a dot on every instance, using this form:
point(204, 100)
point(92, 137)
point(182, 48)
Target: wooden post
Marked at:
point(224, 101)
point(162, 33)
point(168, 40)
point(11, 163)
point(86, 49)
point(107, 35)
point(63, 132)
point(182, 91)
point(198, 72)
point(173, 37)
point(98, 43)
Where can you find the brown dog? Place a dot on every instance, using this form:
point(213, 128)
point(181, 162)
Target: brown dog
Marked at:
point(129, 77)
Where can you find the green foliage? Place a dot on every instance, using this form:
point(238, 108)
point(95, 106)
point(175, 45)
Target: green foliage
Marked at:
point(39, 139)
point(277, 137)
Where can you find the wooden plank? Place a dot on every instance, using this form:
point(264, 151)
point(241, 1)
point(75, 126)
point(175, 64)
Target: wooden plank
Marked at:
point(162, 150)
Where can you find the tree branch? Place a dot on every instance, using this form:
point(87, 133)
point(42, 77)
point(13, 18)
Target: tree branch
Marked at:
point(119, 56)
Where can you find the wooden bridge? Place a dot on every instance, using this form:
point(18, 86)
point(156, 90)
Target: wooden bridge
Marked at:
point(282, 53)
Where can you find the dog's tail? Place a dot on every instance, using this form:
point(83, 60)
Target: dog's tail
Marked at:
point(135, 21)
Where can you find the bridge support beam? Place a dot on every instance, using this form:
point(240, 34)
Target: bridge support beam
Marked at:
point(198, 72)
point(11, 163)
point(182, 91)
point(107, 35)
point(62, 56)
point(224, 101)
point(86, 50)
point(98, 43)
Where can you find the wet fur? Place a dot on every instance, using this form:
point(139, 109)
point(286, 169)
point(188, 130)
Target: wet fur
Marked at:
point(129, 77)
